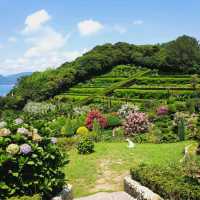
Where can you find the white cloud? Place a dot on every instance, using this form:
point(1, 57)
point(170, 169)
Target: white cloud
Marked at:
point(46, 47)
point(12, 39)
point(35, 20)
point(45, 41)
point(89, 27)
point(30, 64)
point(138, 22)
point(120, 29)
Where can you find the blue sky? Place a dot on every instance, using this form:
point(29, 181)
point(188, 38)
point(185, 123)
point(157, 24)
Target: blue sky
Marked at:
point(37, 34)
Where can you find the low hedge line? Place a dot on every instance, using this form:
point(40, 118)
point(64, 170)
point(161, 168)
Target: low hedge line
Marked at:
point(86, 90)
point(169, 182)
point(154, 94)
point(162, 87)
point(162, 80)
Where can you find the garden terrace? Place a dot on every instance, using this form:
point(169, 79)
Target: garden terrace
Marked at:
point(153, 94)
point(162, 80)
point(98, 87)
point(163, 86)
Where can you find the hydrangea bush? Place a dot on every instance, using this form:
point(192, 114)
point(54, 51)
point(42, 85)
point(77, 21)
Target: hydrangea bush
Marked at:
point(95, 115)
point(136, 122)
point(29, 163)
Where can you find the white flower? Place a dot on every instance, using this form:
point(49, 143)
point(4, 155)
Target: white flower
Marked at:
point(37, 108)
point(19, 121)
point(3, 124)
point(126, 109)
point(24, 131)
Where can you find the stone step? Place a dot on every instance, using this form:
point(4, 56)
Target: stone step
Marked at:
point(108, 196)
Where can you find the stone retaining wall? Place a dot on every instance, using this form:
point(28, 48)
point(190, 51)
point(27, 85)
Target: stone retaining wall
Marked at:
point(136, 190)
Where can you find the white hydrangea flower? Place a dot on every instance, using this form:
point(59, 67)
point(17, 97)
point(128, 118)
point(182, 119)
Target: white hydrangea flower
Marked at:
point(3, 124)
point(24, 131)
point(19, 121)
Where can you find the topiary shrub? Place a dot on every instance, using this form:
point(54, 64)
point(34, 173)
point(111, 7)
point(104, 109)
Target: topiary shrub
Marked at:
point(95, 115)
point(82, 131)
point(29, 164)
point(85, 146)
point(136, 122)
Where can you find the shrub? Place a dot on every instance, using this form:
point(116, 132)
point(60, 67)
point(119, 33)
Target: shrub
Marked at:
point(125, 109)
point(85, 146)
point(67, 143)
point(168, 182)
point(29, 164)
point(162, 110)
point(95, 115)
point(172, 108)
point(113, 120)
point(180, 106)
point(136, 122)
point(192, 170)
point(36, 108)
point(82, 131)
point(71, 125)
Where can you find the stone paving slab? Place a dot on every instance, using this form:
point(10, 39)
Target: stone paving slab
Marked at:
point(108, 196)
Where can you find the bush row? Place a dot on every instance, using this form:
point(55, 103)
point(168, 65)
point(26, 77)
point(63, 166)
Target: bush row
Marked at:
point(153, 94)
point(168, 182)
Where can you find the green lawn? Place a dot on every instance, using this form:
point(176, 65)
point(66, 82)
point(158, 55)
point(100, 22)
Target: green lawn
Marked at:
point(105, 169)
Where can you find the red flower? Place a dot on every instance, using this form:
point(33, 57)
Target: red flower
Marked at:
point(95, 114)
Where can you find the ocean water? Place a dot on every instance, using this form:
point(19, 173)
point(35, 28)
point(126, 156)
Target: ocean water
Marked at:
point(4, 89)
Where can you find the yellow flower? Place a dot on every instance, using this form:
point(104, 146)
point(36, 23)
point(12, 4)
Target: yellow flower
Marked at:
point(82, 131)
point(12, 149)
point(36, 137)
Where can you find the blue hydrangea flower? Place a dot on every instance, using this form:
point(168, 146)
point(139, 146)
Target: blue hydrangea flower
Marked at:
point(25, 149)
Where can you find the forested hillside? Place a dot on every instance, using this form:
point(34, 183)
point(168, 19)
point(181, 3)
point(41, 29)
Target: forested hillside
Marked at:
point(179, 56)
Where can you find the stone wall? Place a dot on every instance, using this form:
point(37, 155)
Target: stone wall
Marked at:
point(136, 190)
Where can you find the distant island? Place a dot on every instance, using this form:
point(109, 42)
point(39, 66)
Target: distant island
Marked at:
point(8, 82)
point(12, 79)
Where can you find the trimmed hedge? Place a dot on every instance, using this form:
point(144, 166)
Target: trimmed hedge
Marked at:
point(153, 94)
point(168, 182)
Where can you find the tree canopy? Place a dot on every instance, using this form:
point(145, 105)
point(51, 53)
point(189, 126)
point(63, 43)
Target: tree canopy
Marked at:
point(181, 55)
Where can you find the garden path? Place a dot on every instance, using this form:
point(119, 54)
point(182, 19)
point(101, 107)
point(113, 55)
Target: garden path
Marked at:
point(108, 196)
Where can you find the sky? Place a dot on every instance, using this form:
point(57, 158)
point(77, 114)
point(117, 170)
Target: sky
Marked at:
point(40, 34)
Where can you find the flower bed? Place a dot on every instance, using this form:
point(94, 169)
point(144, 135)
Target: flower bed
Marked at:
point(29, 164)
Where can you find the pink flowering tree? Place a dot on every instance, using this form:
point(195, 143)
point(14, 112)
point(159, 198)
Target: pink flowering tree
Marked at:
point(136, 122)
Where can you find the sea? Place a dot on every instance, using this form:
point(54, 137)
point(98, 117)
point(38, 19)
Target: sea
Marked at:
point(5, 89)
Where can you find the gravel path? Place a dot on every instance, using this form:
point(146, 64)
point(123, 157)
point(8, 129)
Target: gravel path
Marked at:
point(108, 196)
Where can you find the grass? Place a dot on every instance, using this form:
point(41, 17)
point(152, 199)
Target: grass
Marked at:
point(105, 169)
